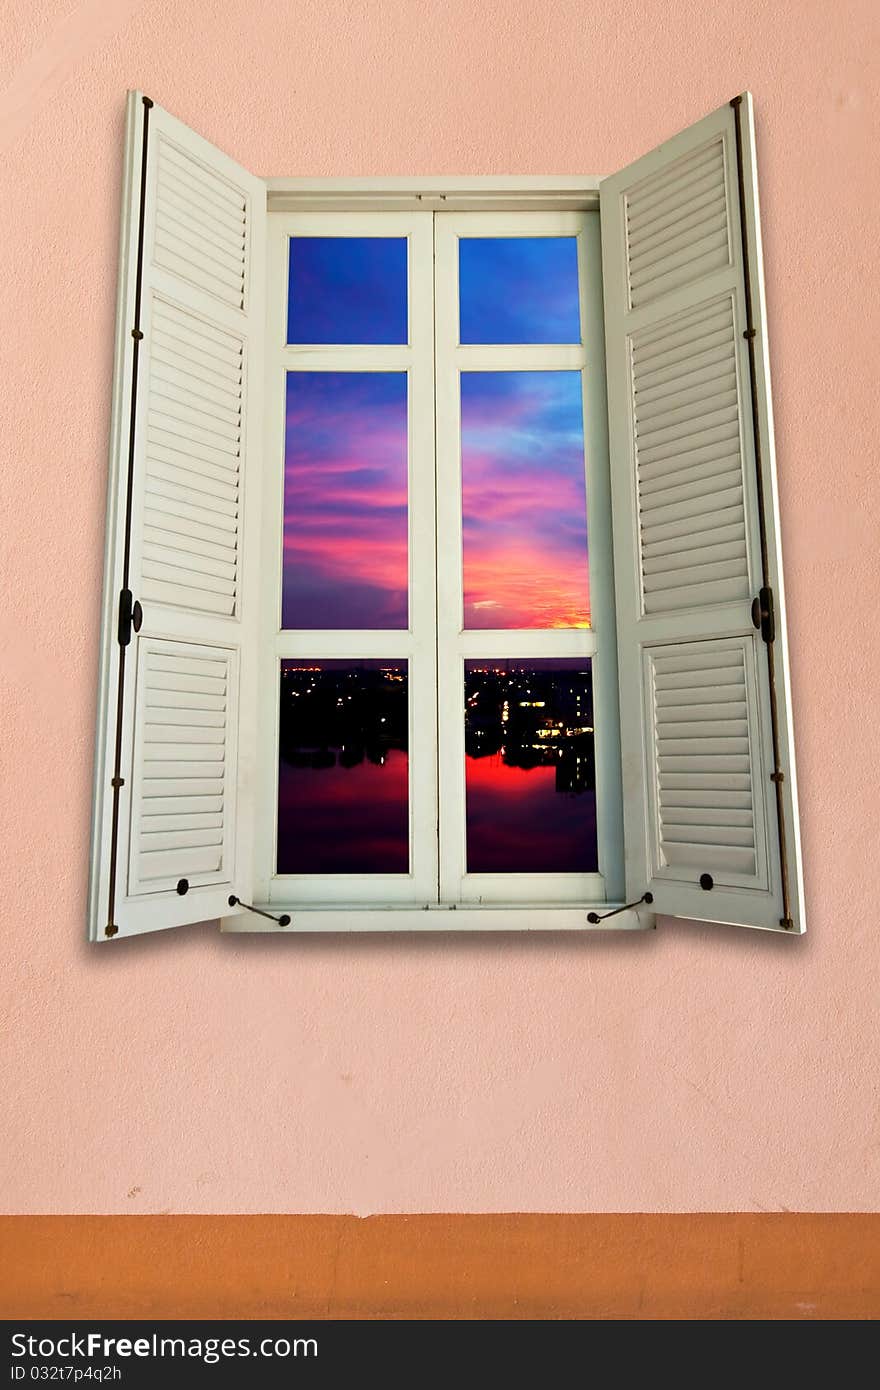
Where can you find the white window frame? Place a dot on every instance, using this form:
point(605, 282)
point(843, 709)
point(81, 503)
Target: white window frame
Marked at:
point(416, 645)
point(433, 359)
point(457, 644)
point(468, 193)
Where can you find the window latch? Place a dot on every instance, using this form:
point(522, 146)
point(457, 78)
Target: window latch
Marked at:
point(131, 615)
point(764, 614)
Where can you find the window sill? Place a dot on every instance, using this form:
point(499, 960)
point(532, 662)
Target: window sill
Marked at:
point(440, 918)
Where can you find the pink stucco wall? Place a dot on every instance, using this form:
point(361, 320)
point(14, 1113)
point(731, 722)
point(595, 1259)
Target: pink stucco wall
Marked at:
point(695, 1068)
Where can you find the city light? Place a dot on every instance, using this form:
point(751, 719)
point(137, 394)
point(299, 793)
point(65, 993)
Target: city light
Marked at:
point(531, 717)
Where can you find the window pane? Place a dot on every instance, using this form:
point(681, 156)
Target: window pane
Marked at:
point(530, 767)
point(524, 500)
point(345, 501)
point(343, 776)
point(347, 290)
point(518, 290)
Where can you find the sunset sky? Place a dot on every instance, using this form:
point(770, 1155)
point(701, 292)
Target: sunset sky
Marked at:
point(345, 501)
point(343, 817)
point(524, 508)
point(345, 505)
point(524, 517)
point(518, 821)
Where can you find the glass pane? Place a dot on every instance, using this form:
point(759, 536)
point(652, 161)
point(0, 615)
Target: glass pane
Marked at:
point(343, 776)
point(345, 501)
point(518, 290)
point(524, 500)
point(347, 290)
point(530, 767)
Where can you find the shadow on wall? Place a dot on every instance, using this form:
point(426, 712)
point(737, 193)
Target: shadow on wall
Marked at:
point(376, 945)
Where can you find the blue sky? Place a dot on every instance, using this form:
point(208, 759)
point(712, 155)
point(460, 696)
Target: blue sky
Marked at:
point(347, 290)
point(519, 290)
point(524, 500)
point(511, 290)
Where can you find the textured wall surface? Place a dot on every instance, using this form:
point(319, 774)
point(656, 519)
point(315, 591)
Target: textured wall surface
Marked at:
point(695, 1069)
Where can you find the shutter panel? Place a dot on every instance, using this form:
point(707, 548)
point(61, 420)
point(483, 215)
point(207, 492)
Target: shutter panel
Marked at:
point(710, 802)
point(171, 838)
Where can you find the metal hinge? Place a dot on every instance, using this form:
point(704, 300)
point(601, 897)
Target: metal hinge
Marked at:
point(131, 615)
point(764, 614)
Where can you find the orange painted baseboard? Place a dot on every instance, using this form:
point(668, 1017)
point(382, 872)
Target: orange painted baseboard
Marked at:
point(696, 1266)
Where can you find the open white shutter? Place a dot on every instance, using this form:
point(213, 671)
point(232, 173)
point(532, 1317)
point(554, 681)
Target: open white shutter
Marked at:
point(710, 804)
point(173, 777)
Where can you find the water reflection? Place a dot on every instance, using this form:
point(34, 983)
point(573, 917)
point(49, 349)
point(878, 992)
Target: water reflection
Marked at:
point(530, 767)
point(343, 784)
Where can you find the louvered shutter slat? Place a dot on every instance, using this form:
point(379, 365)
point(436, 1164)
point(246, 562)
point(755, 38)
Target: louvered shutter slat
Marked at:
point(187, 543)
point(681, 445)
point(155, 805)
point(195, 344)
point(709, 463)
point(199, 477)
point(180, 383)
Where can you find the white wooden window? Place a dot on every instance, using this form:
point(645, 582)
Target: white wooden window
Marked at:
point(204, 649)
point(581, 363)
point(414, 645)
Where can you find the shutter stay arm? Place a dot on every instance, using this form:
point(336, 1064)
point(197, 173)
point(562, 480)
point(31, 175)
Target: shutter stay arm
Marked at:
point(594, 917)
point(283, 920)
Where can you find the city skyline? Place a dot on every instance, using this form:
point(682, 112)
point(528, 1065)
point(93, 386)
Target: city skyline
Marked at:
point(530, 773)
point(343, 787)
point(343, 776)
